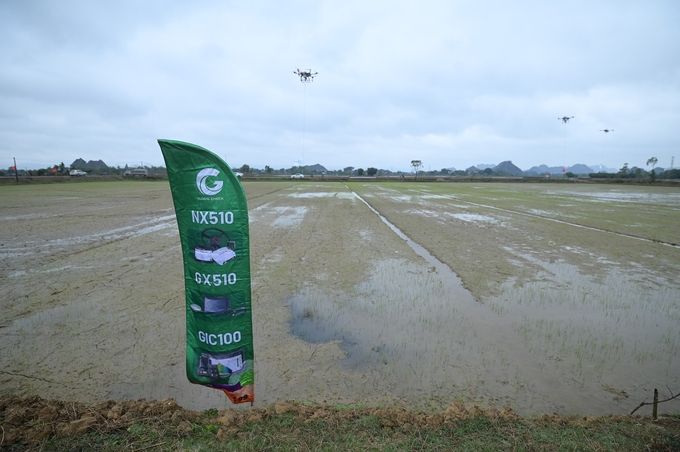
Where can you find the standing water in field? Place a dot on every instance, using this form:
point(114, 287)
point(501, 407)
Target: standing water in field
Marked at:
point(427, 336)
point(566, 317)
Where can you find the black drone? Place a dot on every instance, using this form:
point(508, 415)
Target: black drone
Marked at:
point(565, 119)
point(306, 75)
point(606, 130)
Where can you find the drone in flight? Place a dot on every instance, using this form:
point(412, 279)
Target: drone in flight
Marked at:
point(606, 130)
point(306, 75)
point(565, 119)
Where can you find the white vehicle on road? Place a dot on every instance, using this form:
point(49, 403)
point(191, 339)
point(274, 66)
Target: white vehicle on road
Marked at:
point(77, 172)
point(297, 176)
point(139, 172)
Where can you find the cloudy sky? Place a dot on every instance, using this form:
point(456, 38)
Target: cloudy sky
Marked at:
point(451, 83)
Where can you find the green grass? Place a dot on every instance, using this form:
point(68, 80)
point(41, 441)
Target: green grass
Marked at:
point(288, 432)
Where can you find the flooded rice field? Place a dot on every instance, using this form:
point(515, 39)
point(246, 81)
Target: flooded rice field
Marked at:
point(542, 297)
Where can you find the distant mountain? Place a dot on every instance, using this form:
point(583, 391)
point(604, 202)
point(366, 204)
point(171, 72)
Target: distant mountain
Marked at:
point(580, 168)
point(80, 163)
point(472, 169)
point(540, 170)
point(96, 164)
point(483, 166)
point(507, 167)
point(316, 168)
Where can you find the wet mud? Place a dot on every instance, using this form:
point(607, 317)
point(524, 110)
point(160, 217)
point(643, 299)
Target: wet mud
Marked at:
point(499, 307)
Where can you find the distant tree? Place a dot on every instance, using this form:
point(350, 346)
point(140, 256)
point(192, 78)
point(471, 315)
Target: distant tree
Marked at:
point(487, 171)
point(268, 169)
point(668, 174)
point(624, 169)
point(245, 168)
point(348, 170)
point(570, 174)
point(653, 161)
point(372, 171)
point(360, 172)
point(444, 172)
point(416, 164)
point(602, 175)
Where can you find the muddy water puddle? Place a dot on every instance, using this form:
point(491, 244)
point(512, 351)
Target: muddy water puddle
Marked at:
point(668, 198)
point(540, 215)
point(424, 328)
point(390, 317)
point(567, 342)
point(620, 329)
point(21, 248)
point(279, 216)
point(406, 325)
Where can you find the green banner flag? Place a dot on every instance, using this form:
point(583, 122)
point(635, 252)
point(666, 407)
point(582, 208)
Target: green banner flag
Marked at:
point(212, 216)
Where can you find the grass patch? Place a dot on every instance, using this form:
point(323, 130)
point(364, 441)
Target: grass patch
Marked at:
point(286, 432)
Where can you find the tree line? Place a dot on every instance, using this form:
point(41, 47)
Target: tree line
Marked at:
point(625, 172)
point(638, 173)
point(59, 169)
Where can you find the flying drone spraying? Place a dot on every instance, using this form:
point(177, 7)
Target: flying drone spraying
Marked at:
point(306, 75)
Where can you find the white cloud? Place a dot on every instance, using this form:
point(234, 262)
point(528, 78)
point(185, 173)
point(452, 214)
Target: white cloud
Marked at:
point(451, 83)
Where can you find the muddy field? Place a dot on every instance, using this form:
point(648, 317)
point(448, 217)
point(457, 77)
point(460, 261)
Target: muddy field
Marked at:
point(565, 298)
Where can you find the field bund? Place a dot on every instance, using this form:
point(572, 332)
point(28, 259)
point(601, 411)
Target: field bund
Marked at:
point(542, 297)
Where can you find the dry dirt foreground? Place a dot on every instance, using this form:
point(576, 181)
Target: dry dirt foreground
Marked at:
point(345, 311)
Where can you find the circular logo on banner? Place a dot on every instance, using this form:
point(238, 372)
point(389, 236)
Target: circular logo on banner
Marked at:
point(201, 182)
